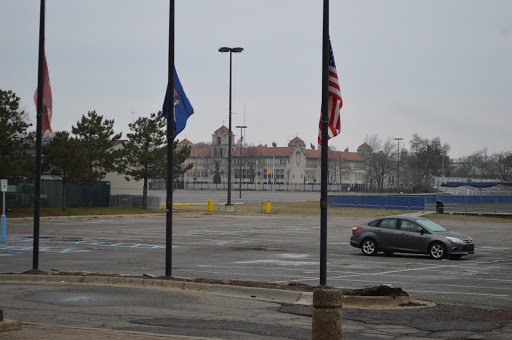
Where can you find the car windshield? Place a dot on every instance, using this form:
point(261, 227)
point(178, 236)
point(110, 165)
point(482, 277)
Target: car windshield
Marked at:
point(432, 226)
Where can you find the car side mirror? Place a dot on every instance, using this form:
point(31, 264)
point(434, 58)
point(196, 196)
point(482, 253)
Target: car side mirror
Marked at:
point(420, 230)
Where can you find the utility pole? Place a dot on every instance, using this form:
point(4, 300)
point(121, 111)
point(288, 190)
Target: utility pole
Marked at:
point(241, 148)
point(398, 140)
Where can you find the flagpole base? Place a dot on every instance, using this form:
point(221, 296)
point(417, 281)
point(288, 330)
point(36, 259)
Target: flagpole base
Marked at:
point(229, 208)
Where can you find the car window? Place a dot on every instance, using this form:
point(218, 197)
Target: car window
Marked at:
point(388, 223)
point(374, 223)
point(406, 225)
point(432, 226)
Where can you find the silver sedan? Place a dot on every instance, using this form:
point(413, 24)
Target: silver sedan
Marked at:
point(404, 234)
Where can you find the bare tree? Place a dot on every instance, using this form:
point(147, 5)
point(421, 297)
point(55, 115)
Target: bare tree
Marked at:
point(202, 145)
point(426, 160)
point(382, 159)
point(500, 166)
point(251, 161)
point(218, 166)
point(337, 166)
point(335, 160)
point(466, 166)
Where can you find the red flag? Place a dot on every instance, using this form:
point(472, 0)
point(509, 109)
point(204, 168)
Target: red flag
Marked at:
point(47, 100)
point(334, 102)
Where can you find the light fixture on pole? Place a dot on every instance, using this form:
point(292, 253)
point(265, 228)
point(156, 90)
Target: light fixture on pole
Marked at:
point(231, 51)
point(241, 147)
point(398, 140)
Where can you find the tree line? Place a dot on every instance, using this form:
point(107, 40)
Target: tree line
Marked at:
point(429, 157)
point(90, 151)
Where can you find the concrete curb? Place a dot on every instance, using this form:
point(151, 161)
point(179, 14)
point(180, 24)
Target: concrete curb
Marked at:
point(263, 294)
point(60, 329)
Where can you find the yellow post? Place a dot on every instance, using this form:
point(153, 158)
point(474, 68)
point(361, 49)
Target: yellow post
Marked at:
point(267, 207)
point(210, 205)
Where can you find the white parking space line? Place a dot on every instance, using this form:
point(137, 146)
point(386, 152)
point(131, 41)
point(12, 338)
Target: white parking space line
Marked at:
point(457, 293)
point(242, 274)
point(390, 272)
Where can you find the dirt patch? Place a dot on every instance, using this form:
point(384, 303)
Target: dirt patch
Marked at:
point(370, 291)
point(381, 290)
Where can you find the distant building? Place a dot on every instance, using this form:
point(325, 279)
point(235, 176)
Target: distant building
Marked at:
point(291, 164)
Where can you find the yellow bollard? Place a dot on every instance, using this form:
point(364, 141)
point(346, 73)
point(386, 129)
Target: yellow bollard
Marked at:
point(210, 205)
point(267, 207)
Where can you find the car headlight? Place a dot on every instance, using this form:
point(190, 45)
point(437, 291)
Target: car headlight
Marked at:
point(455, 240)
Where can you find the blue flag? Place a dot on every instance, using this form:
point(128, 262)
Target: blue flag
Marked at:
point(182, 107)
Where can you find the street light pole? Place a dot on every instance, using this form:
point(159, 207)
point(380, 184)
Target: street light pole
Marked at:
point(241, 147)
point(398, 140)
point(231, 51)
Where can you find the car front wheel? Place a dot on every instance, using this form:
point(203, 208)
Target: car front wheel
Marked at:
point(369, 247)
point(437, 251)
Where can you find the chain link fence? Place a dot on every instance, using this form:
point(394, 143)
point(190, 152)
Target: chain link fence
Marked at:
point(134, 201)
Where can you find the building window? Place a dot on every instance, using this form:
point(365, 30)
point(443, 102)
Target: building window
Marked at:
point(311, 162)
point(218, 140)
point(359, 176)
point(311, 175)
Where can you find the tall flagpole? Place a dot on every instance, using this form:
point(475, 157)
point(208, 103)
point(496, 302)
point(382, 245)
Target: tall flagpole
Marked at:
point(39, 127)
point(170, 145)
point(325, 147)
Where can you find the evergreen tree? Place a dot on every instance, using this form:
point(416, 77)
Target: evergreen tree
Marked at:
point(97, 137)
point(14, 137)
point(145, 152)
point(65, 157)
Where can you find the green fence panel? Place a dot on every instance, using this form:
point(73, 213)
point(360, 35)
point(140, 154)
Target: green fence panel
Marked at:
point(77, 195)
point(20, 194)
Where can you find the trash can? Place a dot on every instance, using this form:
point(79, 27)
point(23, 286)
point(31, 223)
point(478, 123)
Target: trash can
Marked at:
point(439, 207)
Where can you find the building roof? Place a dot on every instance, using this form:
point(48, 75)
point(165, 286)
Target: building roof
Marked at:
point(222, 129)
point(199, 152)
point(364, 145)
point(296, 139)
point(185, 141)
point(346, 156)
point(262, 151)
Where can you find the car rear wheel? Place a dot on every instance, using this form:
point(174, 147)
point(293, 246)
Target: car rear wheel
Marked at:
point(437, 251)
point(369, 247)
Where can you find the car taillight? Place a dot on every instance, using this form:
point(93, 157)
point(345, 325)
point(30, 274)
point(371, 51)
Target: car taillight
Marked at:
point(356, 228)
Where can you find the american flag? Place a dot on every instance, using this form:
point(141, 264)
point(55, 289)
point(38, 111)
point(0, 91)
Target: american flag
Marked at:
point(334, 102)
point(240, 140)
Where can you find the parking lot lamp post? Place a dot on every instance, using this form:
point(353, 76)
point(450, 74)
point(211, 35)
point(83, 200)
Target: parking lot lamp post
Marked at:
point(231, 51)
point(241, 147)
point(398, 177)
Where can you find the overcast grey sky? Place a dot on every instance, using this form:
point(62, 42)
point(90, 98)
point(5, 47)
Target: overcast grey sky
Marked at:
point(437, 68)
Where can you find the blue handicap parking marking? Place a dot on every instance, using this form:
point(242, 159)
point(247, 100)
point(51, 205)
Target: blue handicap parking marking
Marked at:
point(18, 249)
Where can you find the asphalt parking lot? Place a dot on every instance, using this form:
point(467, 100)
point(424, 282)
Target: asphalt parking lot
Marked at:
point(282, 248)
